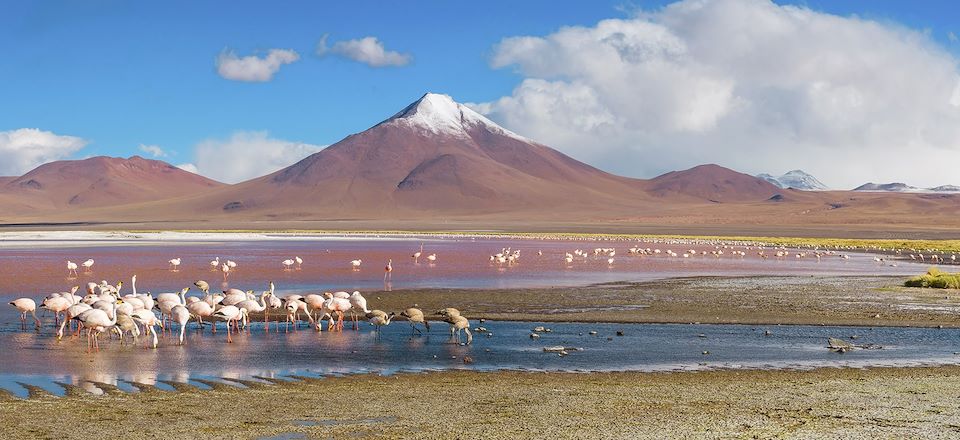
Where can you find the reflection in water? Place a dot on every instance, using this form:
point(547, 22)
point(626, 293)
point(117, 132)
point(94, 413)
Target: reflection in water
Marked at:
point(40, 360)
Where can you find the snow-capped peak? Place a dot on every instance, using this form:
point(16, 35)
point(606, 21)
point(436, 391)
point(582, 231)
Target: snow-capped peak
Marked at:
point(796, 179)
point(440, 114)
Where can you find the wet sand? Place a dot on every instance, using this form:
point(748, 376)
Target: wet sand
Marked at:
point(827, 403)
point(809, 300)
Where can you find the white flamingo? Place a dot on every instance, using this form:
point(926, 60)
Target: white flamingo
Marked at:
point(175, 263)
point(287, 264)
point(87, 265)
point(299, 261)
point(181, 316)
point(71, 268)
point(24, 306)
point(356, 264)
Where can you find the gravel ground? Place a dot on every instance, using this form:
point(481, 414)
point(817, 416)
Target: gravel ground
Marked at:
point(827, 403)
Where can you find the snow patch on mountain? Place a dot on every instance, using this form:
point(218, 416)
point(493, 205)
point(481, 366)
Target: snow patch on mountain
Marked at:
point(796, 179)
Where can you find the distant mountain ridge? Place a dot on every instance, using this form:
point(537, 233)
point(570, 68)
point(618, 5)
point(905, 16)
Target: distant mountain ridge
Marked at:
point(796, 179)
point(904, 188)
point(440, 163)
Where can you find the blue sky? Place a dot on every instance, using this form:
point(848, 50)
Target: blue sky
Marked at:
point(119, 74)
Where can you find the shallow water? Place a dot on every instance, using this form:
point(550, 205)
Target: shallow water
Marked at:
point(40, 360)
point(36, 268)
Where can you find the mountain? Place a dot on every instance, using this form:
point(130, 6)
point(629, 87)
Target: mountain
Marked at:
point(796, 179)
point(889, 187)
point(713, 183)
point(946, 188)
point(101, 181)
point(433, 157)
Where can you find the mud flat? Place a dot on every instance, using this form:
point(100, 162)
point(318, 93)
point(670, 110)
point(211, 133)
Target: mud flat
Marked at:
point(812, 300)
point(826, 403)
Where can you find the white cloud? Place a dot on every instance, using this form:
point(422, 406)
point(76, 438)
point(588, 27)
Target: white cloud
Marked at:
point(153, 150)
point(26, 148)
point(247, 154)
point(189, 167)
point(952, 37)
point(367, 50)
point(745, 83)
point(253, 68)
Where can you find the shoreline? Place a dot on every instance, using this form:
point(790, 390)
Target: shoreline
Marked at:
point(914, 402)
point(143, 236)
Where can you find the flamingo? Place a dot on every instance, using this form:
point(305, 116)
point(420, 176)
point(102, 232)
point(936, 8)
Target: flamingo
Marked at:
point(231, 264)
point(388, 270)
point(126, 324)
point(24, 306)
point(87, 265)
point(203, 286)
point(225, 268)
point(287, 264)
point(175, 263)
point(415, 315)
point(254, 306)
point(215, 263)
point(71, 268)
point(356, 264)
point(181, 316)
point(379, 319)
point(59, 304)
point(148, 320)
point(72, 311)
point(199, 310)
point(299, 261)
point(96, 321)
point(416, 255)
point(432, 257)
point(459, 323)
point(338, 306)
point(231, 314)
point(357, 303)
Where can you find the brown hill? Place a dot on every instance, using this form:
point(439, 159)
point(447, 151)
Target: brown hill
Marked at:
point(713, 183)
point(434, 157)
point(101, 181)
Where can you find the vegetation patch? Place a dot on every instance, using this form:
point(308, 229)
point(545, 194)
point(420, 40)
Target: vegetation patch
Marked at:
point(935, 278)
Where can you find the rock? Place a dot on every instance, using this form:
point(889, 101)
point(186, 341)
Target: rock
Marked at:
point(539, 329)
point(701, 335)
point(609, 338)
point(767, 333)
point(705, 352)
point(467, 360)
point(563, 353)
point(592, 333)
point(838, 345)
point(854, 337)
point(534, 336)
point(553, 349)
point(619, 332)
point(482, 320)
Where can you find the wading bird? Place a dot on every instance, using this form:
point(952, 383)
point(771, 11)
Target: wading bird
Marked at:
point(24, 306)
point(414, 316)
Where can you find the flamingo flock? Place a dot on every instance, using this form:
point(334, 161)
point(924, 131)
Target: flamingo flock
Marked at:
point(107, 309)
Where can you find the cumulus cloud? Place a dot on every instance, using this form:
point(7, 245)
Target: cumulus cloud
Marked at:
point(26, 148)
point(189, 167)
point(245, 155)
point(748, 84)
point(153, 150)
point(367, 50)
point(253, 68)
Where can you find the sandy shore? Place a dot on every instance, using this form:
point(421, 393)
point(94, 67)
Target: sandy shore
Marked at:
point(865, 301)
point(828, 403)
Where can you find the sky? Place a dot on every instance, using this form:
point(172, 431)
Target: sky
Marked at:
point(850, 91)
